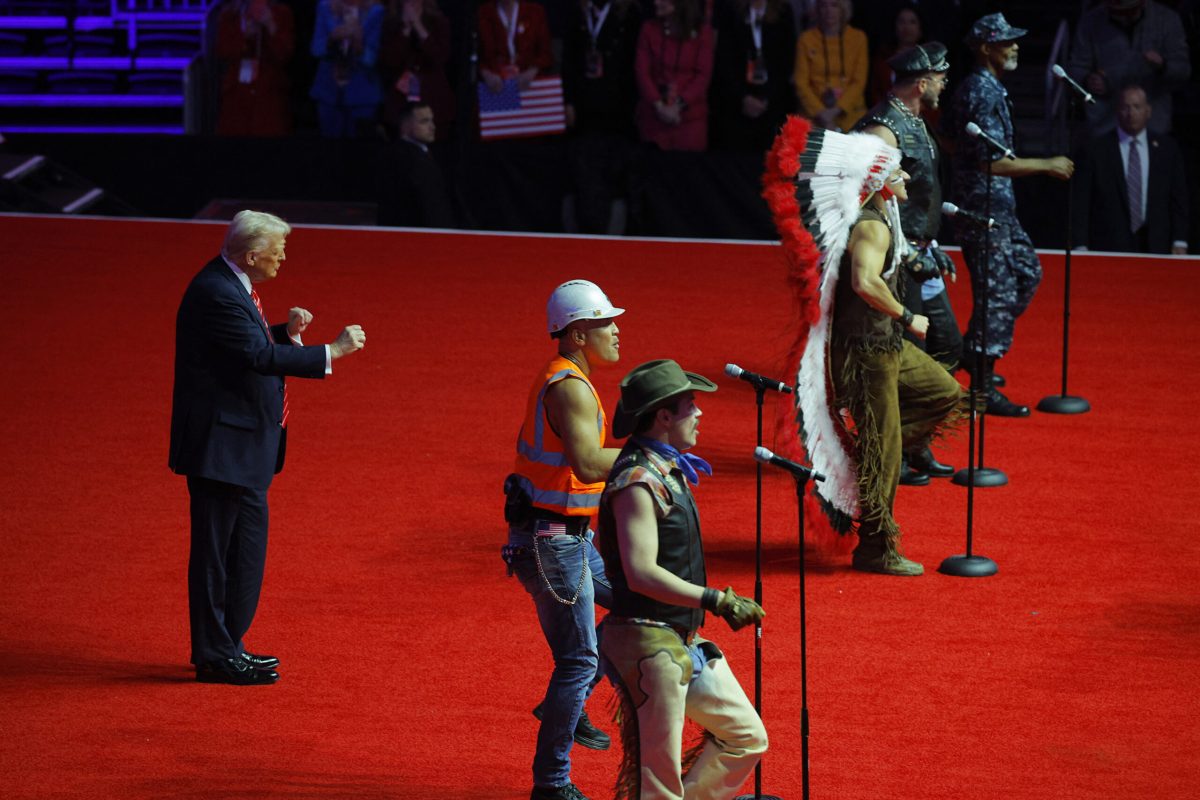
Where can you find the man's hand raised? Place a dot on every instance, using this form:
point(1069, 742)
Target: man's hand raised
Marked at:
point(350, 340)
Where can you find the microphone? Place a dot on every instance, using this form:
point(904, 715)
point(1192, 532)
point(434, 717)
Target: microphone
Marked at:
point(977, 132)
point(765, 456)
point(1062, 75)
point(973, 217)
point(758, 381)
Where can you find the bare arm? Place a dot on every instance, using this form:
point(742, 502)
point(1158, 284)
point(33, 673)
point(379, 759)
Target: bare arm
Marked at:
point(572, 411)
point(637, 538)
point(869, 243)
point(883, 132)
point(1059, 167)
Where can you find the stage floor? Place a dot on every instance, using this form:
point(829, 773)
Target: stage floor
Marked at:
point(411, 663)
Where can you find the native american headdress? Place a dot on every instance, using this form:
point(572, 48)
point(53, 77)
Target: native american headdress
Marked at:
point(815, 183)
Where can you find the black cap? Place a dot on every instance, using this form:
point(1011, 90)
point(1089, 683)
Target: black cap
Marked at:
point(919, 59)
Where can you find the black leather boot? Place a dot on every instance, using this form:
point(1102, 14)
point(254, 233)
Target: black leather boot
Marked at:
point(923, 460)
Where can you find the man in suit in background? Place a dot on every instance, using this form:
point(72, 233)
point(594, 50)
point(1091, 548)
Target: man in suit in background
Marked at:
point(412, 190)
point(229, 420)
point(1131, 191)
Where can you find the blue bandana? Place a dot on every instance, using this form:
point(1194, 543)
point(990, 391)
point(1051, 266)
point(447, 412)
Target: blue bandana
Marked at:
point(688, 464)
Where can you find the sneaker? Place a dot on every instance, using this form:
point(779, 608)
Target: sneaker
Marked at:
point(586, 734)
point(567, 791)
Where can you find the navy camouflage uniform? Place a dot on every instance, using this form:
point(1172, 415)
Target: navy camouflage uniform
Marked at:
point(1015, 271)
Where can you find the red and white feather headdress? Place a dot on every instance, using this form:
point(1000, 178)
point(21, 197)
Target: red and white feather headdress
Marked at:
point(815, 183)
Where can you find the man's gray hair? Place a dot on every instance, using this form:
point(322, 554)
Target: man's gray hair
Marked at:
point(252, 230)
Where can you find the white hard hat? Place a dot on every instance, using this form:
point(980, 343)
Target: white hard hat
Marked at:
point(578, 299)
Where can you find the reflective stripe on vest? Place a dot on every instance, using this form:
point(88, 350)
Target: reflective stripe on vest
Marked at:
point(542, 459)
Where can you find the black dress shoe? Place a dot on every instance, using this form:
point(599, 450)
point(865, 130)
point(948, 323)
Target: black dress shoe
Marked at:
point(260, 662)
point(586, 734)
point(923, 461)
point(234, 671)
point(912, 477)
point(1000, 406)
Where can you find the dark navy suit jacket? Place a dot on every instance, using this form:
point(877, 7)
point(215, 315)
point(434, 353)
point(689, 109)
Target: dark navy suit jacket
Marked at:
point(1101, 203)
point(228, 396)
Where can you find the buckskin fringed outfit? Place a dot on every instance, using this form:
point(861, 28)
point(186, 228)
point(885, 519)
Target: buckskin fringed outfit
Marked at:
point(863, 392)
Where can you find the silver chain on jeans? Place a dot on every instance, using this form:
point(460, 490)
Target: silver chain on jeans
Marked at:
point(537, 556)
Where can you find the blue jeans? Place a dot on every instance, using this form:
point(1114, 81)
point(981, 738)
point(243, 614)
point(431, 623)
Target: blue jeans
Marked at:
point(570, 630)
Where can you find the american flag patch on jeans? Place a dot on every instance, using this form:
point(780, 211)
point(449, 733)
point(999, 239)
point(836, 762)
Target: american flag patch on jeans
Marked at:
point(547, 527)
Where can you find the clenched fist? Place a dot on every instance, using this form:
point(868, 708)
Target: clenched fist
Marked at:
point(350, 340)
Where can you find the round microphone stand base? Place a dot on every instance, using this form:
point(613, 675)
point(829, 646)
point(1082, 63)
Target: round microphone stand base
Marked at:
point(1063, 404)
point(968, 566)
point(757, 797)
point(984, 477)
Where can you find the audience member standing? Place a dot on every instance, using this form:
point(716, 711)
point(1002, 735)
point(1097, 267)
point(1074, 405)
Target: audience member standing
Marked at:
point(600, 93)
point(751, 90)
point(414, 50)
point(1127, 41)
point(907, 30)
point(346, 87)
point(411, 189)
point(674, 68)
point(1131, 191)
point(831, 68)
point(255, 41)
point(514, 42)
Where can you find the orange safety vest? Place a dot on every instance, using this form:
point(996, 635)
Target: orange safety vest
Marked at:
point(540, 454)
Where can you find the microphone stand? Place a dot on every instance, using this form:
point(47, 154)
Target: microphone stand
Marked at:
point(759, 391)
point(981, 476)
point(1064, 403)
point(801, 484)
point(969, 565)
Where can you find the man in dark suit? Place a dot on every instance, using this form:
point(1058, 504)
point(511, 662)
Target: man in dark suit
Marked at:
point(412, 190)
point(229, 422)
point(1131, 192)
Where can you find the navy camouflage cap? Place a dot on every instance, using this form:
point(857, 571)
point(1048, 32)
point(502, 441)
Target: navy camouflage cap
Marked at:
point(993, 28)
point(921, 58)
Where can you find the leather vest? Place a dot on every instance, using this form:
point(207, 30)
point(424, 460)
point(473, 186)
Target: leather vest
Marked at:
point(680, 550)
point(856, 324)
point(922, 214)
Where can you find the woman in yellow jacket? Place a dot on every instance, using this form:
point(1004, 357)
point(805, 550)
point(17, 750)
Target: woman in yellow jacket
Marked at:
point(831, 68)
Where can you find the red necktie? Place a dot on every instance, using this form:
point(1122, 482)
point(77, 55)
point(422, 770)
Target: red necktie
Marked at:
point(267, 325)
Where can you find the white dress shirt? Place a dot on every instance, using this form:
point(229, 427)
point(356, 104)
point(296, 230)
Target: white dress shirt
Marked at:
point(245, 280)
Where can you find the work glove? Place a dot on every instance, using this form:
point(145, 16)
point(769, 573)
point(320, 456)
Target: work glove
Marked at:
point(736, 610)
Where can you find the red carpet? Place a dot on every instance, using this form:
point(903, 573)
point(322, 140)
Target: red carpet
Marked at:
point(410, 663)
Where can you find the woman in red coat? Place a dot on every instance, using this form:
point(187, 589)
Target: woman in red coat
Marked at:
point(255, 39)
point(674, 68)
point(514, 42)
point(413, 52)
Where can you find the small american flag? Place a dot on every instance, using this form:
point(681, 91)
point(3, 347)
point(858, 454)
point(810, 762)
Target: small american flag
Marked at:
point(547, 528)
point(513, 113)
